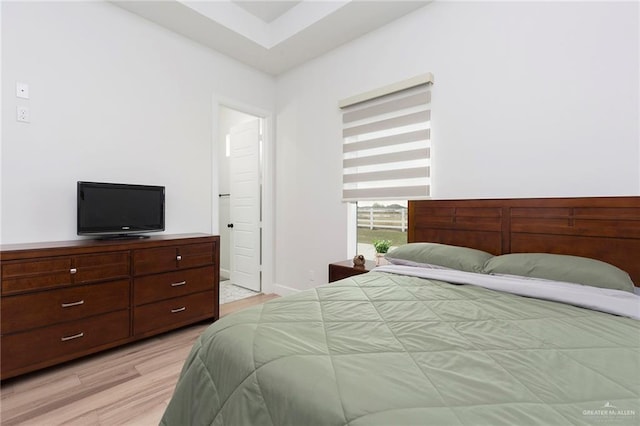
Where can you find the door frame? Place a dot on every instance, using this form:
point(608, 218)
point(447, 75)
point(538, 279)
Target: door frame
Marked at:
point(267, 193)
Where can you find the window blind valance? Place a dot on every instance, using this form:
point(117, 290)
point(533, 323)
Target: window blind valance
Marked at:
point(386, 149)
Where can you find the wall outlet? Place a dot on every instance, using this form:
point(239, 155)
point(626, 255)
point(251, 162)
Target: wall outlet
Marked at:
point(312, 275)
point(22, 114)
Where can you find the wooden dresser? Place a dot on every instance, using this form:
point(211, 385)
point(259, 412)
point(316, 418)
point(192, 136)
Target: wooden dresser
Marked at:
point(64, 300)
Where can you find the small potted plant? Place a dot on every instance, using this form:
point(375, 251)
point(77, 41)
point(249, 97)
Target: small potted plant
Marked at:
point(382, 247)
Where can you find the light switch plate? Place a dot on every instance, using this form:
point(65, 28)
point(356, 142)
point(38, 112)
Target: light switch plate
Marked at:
point(22, 90)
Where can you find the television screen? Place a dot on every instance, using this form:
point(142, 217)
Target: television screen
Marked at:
point(113, 209)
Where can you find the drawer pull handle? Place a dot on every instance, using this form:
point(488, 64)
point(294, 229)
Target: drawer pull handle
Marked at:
point(68, 305)
point(175, 311)
point(73, 271)
point(75, 336)
point(178, 284)
point(178, 257)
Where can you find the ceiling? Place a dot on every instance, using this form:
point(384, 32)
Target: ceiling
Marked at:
point(268, 11)
point(272, 36)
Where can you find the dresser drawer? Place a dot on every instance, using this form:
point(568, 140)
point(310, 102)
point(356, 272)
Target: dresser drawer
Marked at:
point(153, 288)
point(100, 267)
point(28, 311)
point(150, 261)
point(63, 341)
point(165, 259)
point(195, 255)
point(44, 273)
point(18, 276)
point(172, 313)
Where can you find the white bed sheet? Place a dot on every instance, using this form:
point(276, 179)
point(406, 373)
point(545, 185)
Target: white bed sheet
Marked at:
point(616, 302)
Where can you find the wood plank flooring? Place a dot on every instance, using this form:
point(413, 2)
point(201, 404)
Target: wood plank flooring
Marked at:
point(131, 385)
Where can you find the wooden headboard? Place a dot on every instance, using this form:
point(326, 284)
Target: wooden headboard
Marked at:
point(603, 228)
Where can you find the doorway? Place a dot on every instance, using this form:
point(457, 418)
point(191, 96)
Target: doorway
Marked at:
point(240, 203)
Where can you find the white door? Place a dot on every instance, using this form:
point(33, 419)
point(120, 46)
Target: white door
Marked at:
point(245, 205)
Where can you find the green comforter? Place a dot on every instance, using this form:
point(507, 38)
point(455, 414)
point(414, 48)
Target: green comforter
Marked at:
point(382, 349)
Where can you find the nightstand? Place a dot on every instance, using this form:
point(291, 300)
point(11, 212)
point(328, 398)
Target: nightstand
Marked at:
point(345, 269)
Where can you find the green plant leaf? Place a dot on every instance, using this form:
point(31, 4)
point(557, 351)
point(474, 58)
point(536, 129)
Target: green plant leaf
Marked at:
point(382, 246)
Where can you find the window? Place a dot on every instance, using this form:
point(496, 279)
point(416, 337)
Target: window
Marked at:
point(380, 220)
point(386, 158)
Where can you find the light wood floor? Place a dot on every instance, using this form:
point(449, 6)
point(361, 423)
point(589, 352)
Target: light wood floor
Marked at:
point(131, 385)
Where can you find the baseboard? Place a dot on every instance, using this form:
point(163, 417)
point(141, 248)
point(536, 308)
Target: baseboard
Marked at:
point(225, 274)
point(283, 290)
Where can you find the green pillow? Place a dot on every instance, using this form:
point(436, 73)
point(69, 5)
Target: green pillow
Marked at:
point(558, 267)
point(443, 255)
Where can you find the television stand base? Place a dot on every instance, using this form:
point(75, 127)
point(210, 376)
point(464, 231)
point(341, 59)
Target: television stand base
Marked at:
point(123, 237)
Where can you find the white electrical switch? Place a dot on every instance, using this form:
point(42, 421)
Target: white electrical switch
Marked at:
point(22, 90)
point(22, 114)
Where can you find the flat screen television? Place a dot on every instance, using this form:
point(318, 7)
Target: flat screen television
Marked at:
point(113, 210)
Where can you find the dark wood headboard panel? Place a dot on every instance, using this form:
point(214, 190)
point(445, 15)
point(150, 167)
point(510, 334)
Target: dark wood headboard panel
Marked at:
point(603, 228)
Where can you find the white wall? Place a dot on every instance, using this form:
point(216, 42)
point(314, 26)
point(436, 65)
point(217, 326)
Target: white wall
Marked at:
point(530, 99)
point(113, 98)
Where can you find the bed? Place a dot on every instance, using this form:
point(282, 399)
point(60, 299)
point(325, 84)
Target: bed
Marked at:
point(498, 312)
